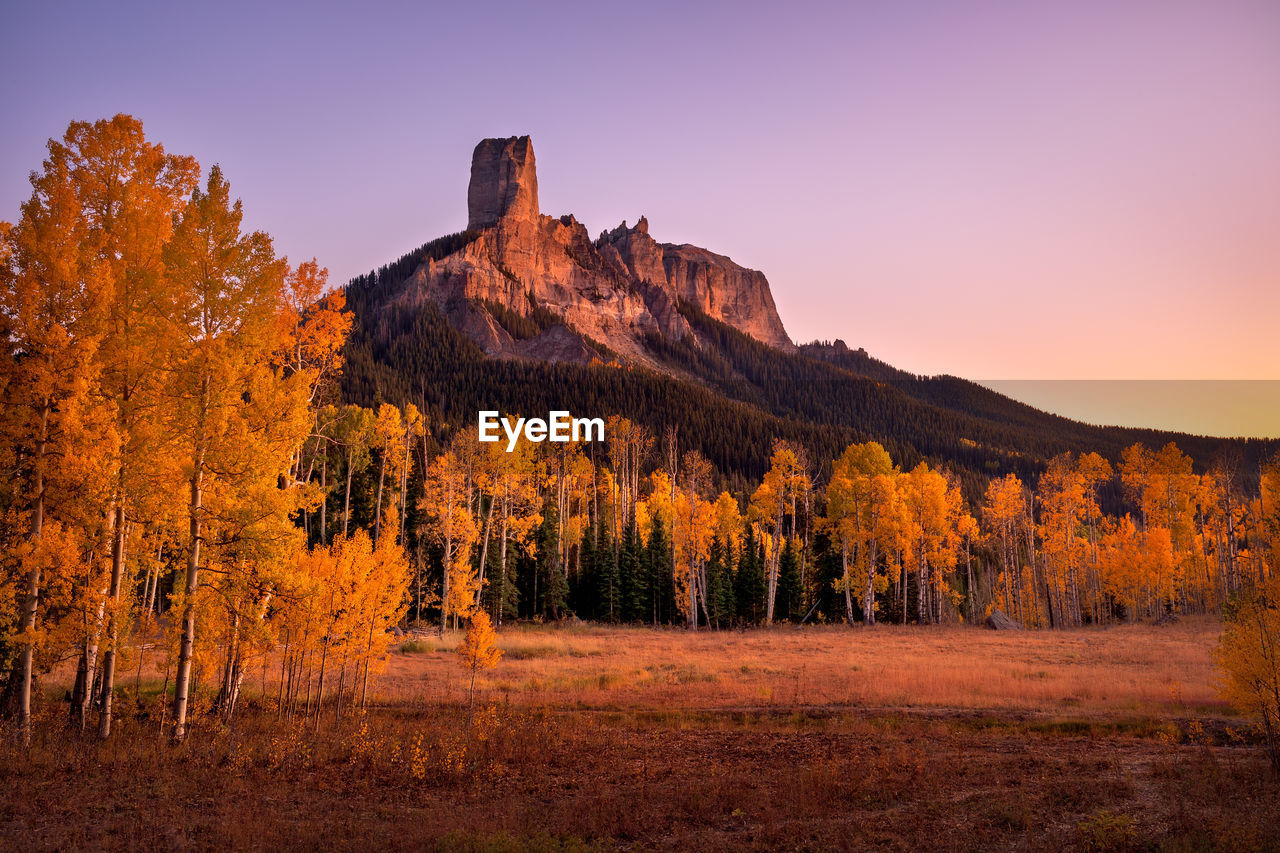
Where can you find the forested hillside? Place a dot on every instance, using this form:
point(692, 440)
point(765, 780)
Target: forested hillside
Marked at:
point(727, 394)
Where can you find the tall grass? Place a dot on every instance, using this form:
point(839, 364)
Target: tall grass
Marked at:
point(1123, 670)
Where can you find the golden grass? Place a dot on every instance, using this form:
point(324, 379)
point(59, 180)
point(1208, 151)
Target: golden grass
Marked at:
point(592, 738)
point(1108, 672)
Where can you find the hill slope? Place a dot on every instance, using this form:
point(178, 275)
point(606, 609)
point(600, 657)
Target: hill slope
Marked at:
point(524, 313)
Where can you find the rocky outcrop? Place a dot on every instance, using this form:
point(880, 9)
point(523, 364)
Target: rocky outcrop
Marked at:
point(616, 290)
point(998, 621)
point(720, 288)
point(504, 182)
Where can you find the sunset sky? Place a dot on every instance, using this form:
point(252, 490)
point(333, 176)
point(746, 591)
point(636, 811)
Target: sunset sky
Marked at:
point(1001, 190)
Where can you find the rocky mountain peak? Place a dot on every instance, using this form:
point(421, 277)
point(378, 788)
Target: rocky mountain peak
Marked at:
point(504, 182)
point(611, 295)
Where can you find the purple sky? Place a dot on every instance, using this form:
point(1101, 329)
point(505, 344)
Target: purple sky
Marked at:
point(1003, 190)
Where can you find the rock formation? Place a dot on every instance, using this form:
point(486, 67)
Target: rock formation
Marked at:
point(998, 621)
point(613, 291)
point(504, 182)
point(722, 289)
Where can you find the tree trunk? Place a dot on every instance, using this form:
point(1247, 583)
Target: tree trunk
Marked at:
point(368, 656)
point(404, 487)
point(346, 506)
point(382, 476)
point(182, 680)
point(324, 497)
point(88, 670)
point(848, 594)
point(484, 548)
point(32, 603)
point(968, 569)
point(502, 557)
point(324, 657)
point(113, 630)
point(869, 594)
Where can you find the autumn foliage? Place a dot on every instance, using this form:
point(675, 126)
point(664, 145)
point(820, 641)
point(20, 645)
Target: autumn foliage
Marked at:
point(1249, 657)
point(185, 475)
point(161, 372)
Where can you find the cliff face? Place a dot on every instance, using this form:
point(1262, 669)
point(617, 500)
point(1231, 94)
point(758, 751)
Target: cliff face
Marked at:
point(504, 182)
point(614, 291)
point(722, 289)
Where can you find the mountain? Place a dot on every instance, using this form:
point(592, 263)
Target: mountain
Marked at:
point(587, 299)
point(524, 313)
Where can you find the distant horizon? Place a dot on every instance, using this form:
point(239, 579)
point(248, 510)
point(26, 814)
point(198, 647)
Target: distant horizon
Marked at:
point(1216, 408)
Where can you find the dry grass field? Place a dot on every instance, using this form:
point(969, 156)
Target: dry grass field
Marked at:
point(1108, 672)
point(605, 739)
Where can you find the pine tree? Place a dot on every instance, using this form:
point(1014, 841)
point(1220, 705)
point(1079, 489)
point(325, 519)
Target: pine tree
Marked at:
point(790, 595)
point(583, 598)
point(631, 575)
point(607, 579)
point(552, 586)
point(657, 571)
point(828, 574)
point(749, 586)
point(719, 585)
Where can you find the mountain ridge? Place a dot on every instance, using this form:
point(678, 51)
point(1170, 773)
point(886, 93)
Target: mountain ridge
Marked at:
point(614, 290)
point(524, 312)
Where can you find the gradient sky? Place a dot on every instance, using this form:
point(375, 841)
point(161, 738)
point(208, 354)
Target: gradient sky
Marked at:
point(990, 189)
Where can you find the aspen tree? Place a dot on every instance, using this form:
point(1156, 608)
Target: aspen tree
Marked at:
point(769, 506)
point(53, 292)
point(384, 596)
point(352, 432)
point(515, 491)
point(1063, 503)
point(696, 515)
point(449, 522)
point(932, 540)
point(478, 650)
point(858, 513)
point(1249, 657)
point(225, 292)
point(389, 434)
point(1094, 472)
point(1003, 507)
point(414, 431)
point(130, 189)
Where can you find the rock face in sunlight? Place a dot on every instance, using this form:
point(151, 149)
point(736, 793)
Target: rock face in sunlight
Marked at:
point(504, 182)
point(578, 294)
point(720, 288)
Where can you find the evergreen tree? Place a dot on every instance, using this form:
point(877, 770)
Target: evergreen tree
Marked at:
point(828, 571)
point(583, 595)
point(606, 579)
point(657, 570)
point(749, 588)
point(551, 581)
point(631, 575)
point(719, 585)
point(506, 591)
point(790, 601)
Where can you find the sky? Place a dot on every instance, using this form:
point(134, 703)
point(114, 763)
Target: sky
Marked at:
point(997, 190)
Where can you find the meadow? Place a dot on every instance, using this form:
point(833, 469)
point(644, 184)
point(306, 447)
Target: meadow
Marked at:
point(1095, 673)
point(584, 737)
